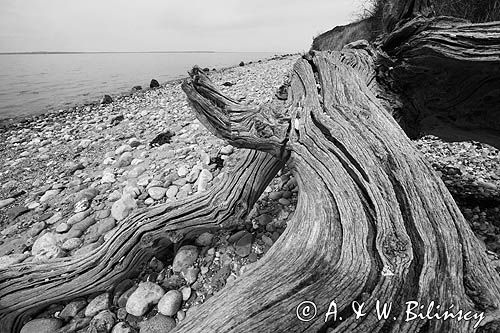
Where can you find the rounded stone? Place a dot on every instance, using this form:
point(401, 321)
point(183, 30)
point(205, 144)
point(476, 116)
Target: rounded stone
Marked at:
point(96, 305)
point(42, 325)
point(158, 324)
point(147, 294)
point(170, 303)
point(185, 257)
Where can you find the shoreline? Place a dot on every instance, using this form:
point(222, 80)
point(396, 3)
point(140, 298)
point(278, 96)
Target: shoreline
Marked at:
point(70, 179)
point(4, 122)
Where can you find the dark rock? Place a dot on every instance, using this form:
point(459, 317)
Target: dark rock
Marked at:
point(161, 139)
point(244, 245)
point(17, 194)
point(282, 93)
point(154, 84)
point(206, 69)
point(242, 63)
point(228, 84)
point(106, 99)
point(218, 161)
point(122, 287)
point(136, 88)
point(116, 120)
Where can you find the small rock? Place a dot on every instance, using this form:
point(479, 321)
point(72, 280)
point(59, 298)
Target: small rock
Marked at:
point(137, 171)
point(154, 84)
point(121, 327)
point(97, 305)
point(124, 160)
point(158, 324)
point(157, 192)
point(71, 244)
point(116, 120)
point(243, 246)
point(170, 303)
point(106, 99)
point(82, 205)
point(284, 202)
point(161, 139)
point(123, 299)
point(275, 195)
point(108, 177)
point(193, 175)
point(147, 294)
point(36, 229)
point(48, 195)
point(227, 150)
point(186, 293)
point(191, 274)
point(185, 257)
point(6, 202)
point(172, 191)
point(17, 211)
point(183, 171)
point(122, 208)
point(45, 248)
point(85, 143)
point(63, 227)
point(205, 239)
point(55, 218)
point(72, 309)
point(203, 179)
point(122, 149)
point(42, 325)
point(134, 142)
point(103, 322)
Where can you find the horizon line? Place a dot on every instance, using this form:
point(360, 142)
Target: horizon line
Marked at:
point(96, 52)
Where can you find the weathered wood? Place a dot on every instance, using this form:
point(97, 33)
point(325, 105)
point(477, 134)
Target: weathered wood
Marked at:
point(28, 287)
point(373, 220)
point(447, 73)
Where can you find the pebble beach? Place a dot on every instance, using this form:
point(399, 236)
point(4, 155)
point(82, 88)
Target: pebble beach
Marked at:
point(69, 178)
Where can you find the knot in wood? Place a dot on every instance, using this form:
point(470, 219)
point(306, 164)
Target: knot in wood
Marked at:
point(263, 130)
point(147, 240)
point(395, 247)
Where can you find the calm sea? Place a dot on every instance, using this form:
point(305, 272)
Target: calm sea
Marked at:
point(37, 83)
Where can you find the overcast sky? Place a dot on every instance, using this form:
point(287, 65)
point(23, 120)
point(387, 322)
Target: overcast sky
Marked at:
point(168, 25)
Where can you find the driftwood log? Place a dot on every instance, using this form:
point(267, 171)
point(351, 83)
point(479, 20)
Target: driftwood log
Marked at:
point(373, 222)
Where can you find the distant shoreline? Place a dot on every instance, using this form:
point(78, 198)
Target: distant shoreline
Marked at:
point(116, 52)
point(117, 96)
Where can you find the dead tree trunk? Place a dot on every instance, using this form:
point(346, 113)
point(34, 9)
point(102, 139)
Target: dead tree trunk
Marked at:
point(373, 222)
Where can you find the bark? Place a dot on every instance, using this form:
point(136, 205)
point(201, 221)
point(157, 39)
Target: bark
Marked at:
point(373, 220)
point(27, 288)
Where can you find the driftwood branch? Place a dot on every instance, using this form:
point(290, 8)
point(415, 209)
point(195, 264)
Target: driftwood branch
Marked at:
point(373, 221)
point(27, 288)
